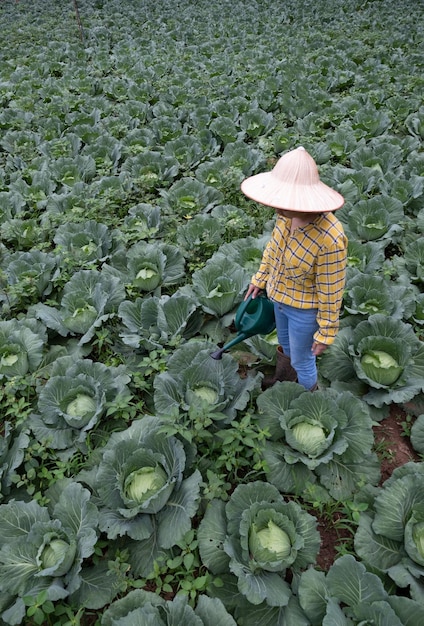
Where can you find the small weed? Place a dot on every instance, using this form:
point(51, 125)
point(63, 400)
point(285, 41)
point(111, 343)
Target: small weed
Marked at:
point(40, 611)
point(241, 448)
point(17, 398)
point(343, 518)
point(42, 468)
point(383, 449)
point(216, 486)
point(180, 572)
point(125, 408)
point(407, 425)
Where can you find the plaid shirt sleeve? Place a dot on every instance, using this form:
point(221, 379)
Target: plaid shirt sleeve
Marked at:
point(330, 282)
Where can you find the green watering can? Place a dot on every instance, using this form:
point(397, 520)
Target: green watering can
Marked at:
point(255, 316)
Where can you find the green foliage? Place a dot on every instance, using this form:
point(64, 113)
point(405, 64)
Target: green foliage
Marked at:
point(125, 239)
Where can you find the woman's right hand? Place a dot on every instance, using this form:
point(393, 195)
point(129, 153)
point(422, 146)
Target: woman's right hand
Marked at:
point(252, 291)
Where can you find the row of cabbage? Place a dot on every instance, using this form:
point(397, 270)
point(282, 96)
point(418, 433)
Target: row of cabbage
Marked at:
point(123, 145)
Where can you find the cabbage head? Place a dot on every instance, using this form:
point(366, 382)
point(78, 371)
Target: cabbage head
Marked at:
point(270, 543)
point(57, 554)
point(390, 534)
point(254, 539)
point(309, 437)
point(380, 366)
point(144, 490)
point(319, 443)
point(144, 483)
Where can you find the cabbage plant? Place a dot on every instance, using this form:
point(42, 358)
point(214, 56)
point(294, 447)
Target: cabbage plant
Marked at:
point(254, 539)
point(69, 170)
point(189, 196)
point(144, 490)
point(142, 222)
point(413, 261)
point(237, 161)
point(22, 345)
point(142, 607)
point(246, 252)
point(83, 241)
point(77, 395)
point(349, 594)
point(415, 122)
point(379, 217)
point(154, 322)
point(43, 548)
point(243, 157)
point(264, 346)
point(106, 152)
point(367, 294)
point(148, 266)
point(382, 352)
point(365, 256)
point(417, 434)
point(203, 233)
point(418, 313)
point(13, 443)
point(390, 534)
point(30, 276)
point(150, 170)
point(234, 219)
point(226, 129)
point(188, 150)
point(256, 122)
point(89, 298)
point(21, 234)
point(319, 443)
point(194, 379)
point(218, 286)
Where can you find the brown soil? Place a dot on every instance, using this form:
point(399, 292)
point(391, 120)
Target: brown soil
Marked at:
point(394, 449)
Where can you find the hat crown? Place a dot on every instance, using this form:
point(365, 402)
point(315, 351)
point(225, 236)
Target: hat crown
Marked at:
point(293, 184)
point(297, 167)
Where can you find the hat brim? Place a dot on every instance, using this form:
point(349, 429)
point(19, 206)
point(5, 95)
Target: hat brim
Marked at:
point(267, 189)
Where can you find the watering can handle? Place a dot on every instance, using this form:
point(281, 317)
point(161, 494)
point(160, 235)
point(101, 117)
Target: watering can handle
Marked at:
point(243, 306)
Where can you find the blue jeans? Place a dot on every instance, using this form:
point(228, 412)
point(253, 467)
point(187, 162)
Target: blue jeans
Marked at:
point(295, 332)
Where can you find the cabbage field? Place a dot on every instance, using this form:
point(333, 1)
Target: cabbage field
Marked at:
point(143, 482)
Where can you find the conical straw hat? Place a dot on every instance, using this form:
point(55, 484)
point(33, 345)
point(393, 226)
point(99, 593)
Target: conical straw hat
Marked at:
point(293, 184)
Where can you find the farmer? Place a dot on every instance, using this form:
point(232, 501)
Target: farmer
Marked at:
point(303, 267)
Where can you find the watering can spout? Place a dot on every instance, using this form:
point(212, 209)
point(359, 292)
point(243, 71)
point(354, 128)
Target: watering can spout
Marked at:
point(254, 316)
point(218, 354)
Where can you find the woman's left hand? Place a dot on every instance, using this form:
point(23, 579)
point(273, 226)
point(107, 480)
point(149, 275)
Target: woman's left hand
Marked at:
point(318, 348)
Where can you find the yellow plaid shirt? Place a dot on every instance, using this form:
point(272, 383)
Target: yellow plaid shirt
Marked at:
point(307, 270)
